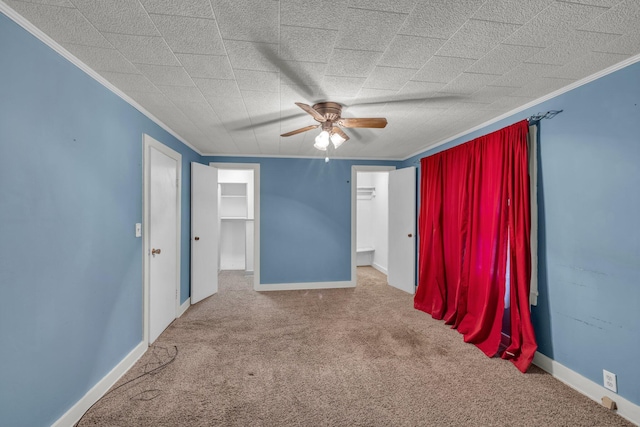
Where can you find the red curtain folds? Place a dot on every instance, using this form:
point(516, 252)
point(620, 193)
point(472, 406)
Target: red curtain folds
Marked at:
point(474, 208)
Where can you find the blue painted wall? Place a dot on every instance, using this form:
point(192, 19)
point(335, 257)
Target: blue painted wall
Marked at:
point(70, 195)
point(588, 312)
point(71, 192)
point(305, 218)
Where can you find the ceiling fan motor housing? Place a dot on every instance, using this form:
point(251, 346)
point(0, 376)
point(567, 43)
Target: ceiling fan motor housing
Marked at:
point(328, 115)
point(330, 110)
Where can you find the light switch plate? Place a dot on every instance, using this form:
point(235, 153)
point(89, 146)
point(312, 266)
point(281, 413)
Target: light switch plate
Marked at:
point(138, 229)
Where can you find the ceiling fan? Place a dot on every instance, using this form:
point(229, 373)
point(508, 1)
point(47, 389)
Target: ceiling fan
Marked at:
point(328, 114)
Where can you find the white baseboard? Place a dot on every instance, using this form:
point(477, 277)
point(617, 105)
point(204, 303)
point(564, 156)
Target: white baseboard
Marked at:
point(592, 390)
point(97, 391)
point(185, 305)
point(305, 285)
point(380, 268)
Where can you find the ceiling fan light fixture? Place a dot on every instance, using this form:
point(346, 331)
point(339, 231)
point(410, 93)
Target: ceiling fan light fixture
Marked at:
point(322, 141)
point(337, 140)
point(328, 116)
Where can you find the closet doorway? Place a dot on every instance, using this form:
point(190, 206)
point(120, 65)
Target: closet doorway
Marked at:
point(370, 217)
point(239, 217)
point(395, 256)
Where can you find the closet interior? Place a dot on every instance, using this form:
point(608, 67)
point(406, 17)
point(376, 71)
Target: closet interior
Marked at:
point(236, 216)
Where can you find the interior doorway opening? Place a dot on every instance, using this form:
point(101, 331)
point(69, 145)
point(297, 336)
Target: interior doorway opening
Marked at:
point(239, 218)
point(236, 219)
point(369, 190)
point(372, 219)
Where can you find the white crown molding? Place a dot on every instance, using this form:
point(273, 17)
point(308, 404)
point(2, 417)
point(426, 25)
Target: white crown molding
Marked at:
point(73, 415)
point(37, 33)
point(574, 85)
point(585, 386)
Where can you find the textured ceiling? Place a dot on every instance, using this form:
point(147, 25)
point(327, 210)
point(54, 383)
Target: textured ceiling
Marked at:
point(224, 74)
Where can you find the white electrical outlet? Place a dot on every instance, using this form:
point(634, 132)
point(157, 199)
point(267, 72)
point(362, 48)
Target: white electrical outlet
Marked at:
point(610, 381)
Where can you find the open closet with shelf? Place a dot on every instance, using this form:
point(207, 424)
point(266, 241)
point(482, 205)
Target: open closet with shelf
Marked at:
point(236, 219)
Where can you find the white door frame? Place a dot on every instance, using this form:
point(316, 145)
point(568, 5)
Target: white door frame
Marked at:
point(354, 206)
point(148, 143)
point(255, 167)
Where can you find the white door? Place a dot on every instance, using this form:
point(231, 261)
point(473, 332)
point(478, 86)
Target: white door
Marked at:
point(204, 231)
point(163, 238)
point(402, 229)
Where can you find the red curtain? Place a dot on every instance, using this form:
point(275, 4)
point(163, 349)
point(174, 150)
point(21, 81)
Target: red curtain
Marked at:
point(474, 209)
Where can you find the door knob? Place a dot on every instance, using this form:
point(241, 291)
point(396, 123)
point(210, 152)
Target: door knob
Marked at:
point(410, 235)
point(155, 251)
point(196, 238)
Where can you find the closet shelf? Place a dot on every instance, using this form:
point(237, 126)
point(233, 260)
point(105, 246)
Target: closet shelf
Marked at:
point(235, 218)
point(366, 193)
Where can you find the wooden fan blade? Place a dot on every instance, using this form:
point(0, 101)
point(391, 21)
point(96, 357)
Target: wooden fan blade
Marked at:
point(297, 131)
point(340, 132)
point(319, 117)
point(363, 123)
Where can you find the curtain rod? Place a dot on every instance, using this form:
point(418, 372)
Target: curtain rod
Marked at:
point(535, 118)
point(548, 115)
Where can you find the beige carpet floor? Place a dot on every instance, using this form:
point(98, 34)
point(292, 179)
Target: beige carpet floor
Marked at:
point(341, 357)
